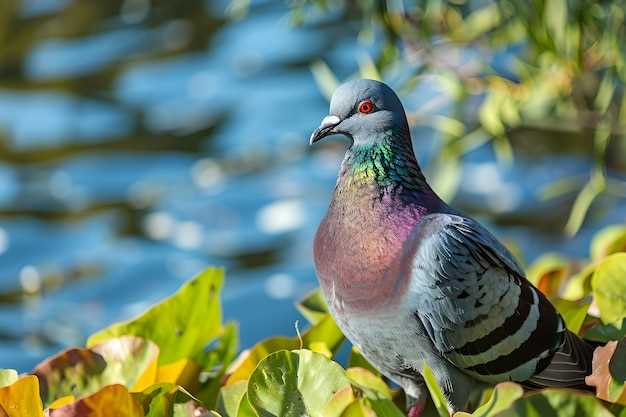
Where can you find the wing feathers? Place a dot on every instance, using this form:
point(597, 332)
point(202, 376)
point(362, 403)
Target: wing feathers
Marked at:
point(482, 314)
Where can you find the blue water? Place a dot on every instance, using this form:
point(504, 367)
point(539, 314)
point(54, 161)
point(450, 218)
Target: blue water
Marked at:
point(113, 194)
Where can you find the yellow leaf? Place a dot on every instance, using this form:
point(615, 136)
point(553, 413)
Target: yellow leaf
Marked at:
point(112, 400)
point(21, 399)
point(321, 347)
point(148, 377)
point(183, 372)
point(60, 402)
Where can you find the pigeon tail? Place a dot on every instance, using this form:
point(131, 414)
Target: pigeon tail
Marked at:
point(568, 367)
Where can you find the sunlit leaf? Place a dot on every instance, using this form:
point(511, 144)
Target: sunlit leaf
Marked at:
point(294, 383)
point(608, 241)
point(609, 288)
point(337, 404)
point(325, 330)
point(21, 398)
point(231, 396)
point(356, 359)
point(112, 400)
point(372, 385)
point(501, 398)
point(358, 409)
point(182, 324)
point(573, 313)
point(183, 372)
point(436, 394)
point(607, 387)
point(7, 377)
point(579, 285)
point(80, 372)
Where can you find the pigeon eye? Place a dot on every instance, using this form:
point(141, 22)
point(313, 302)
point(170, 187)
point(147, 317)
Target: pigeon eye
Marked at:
point(366, 106)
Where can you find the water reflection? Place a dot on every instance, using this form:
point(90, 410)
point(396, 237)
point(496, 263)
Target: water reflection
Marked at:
point(143, 140)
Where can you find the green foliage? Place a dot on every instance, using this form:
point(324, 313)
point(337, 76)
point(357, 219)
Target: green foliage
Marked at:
point(180, 328)
point(124, 374)
point(539, 73)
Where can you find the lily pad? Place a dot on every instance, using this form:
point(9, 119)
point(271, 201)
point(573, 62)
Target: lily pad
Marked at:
point(112, 400)
point(182, 324)
point(325, 331)
point(609, 288)
point(294, 383)
point(80, 372)
point(21, 398)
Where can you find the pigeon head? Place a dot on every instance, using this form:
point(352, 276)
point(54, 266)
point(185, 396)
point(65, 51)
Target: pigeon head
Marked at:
point(364, 111)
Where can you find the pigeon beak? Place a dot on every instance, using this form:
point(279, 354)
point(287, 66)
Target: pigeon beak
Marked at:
point(325, 129)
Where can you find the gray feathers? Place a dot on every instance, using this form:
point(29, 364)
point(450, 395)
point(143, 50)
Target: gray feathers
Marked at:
point(483, 316)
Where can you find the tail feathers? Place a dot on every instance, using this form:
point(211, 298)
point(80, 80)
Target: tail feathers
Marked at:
point(568, 367)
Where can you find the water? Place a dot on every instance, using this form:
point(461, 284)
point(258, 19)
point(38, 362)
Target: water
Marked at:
point(144, 142)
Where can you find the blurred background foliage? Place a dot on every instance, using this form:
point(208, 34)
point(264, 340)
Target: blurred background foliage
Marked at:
point(141, 140)
point(550, 69)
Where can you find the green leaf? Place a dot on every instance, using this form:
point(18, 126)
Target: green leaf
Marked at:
point(325, 331)
point(80, 372)
point(501, 398)
point(384, 407)
point(436, 394)
point(573, 312)
point(231, 396)
point(357, 360)
point(359, 408)
point(617, 364)
point(610, 240)
point(180, 325)
point(607, 332)
point(313, 306)
point(371, 385)
point(557, 403)
point(214, 363)
point(7, 377)
point(166, 400)
point(609, 287)
point(293, 384)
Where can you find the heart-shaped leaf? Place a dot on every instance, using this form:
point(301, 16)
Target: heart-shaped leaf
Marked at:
point(294, 383)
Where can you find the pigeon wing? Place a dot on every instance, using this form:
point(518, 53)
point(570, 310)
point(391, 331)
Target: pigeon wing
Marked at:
point(478, 309)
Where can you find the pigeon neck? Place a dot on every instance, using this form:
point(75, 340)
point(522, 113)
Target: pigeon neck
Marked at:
point(386, 164)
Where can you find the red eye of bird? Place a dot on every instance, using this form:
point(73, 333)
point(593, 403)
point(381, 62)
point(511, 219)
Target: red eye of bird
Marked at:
point(366, 106)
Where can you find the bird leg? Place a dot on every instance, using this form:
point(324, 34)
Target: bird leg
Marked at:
point(414, 406)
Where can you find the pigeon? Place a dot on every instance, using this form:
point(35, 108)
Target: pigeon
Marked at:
point(413, 282)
